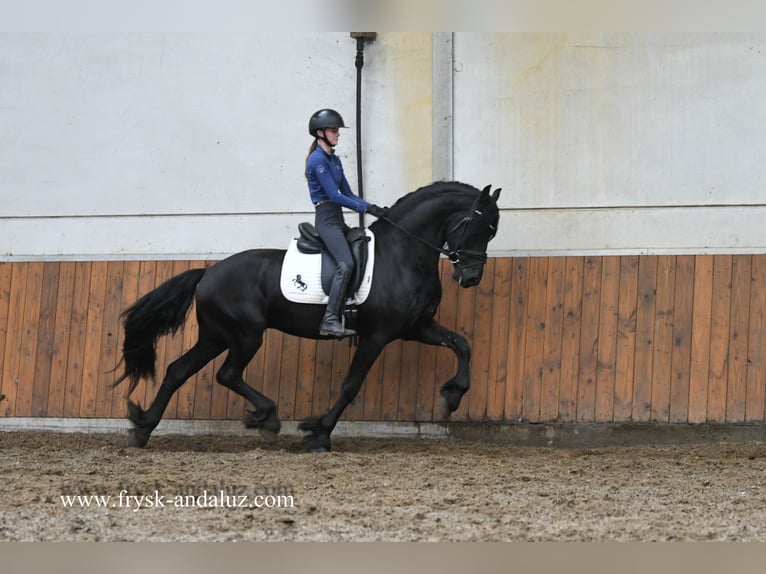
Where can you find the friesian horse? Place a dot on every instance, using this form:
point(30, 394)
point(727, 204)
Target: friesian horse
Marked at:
point(239, 297)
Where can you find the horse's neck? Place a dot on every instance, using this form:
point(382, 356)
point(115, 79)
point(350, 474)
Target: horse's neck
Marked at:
point(428, 219)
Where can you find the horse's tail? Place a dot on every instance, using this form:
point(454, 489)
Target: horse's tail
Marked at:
point(157, 313)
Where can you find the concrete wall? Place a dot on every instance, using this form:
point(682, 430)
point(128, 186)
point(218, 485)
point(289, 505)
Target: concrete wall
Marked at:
point(192, 145)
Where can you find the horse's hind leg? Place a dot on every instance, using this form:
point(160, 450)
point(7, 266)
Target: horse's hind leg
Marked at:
point(453, 390)
point(179, 371)
point(265, 417)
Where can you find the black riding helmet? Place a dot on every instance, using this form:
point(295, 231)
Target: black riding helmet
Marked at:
point(323, 119)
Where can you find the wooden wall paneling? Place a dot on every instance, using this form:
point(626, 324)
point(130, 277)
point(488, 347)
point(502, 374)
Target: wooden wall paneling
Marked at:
point(109, 339)
point(718, 377)
point(94, 326)
point(756, 370)
point(644, 350)
point(481, 344)
point(701, 328)
point(174, 347)
point(131, 273)
point(498, 358)
point(77, 339)
point(6, 273)
point(408, 381)
point(535, 339)
point(662, 371)
point(626, 339)
point(607, 339)
point(736, 390)
point(45, 339)
point(156, 276)
point(588, 363)
point(28, 337)
point(304, 386)
point(61, 342)
point(554, 325)
point(570, 339)
point(683, 311)
point(392, 360)
point(288, 377)
point(517, 320)
point(12, 351)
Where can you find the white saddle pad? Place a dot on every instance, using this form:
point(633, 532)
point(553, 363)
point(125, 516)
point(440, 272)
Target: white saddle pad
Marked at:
point(301, 279)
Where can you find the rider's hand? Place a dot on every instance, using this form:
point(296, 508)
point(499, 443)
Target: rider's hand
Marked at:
point(377, 211)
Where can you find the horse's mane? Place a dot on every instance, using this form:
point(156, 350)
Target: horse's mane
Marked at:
point(420, 194)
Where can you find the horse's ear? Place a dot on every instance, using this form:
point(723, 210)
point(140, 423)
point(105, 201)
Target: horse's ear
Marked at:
point(496, 194)
point(484, 194)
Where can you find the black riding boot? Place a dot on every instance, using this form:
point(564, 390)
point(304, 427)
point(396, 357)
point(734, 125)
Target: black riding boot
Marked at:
point(331, 323)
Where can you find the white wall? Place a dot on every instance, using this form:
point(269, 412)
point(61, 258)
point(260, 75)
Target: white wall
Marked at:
point(616, 142)
point(192, 145)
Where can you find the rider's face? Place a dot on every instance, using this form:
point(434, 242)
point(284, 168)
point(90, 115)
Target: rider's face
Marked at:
point(332, 135)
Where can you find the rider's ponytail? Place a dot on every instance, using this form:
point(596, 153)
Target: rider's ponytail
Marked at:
point(312, 147)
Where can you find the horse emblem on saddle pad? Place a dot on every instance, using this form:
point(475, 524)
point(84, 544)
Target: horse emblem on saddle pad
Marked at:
point(308, 267)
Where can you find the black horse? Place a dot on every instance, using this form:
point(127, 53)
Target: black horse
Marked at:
point(239, 297)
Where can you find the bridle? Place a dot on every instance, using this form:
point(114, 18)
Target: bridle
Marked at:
point(454, 255)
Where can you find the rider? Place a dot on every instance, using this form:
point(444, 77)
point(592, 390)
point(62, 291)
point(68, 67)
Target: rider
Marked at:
point(330, 190)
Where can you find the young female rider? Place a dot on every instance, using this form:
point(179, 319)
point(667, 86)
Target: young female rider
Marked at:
point(330, 191)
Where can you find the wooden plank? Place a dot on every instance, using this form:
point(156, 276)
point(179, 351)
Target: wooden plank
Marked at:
point(45, 338)
point(738, 339)
point(682, 338)
point(481, 345)
point(755, 394)
point(498, 359)
point(131, 273)
point(28, 335)
point(305, 378)
point(701, 324)
point(570, 339)
point(93, 327)
point(591, 306)
point(60, 354)
point(288, 377)
point(554, 324)
point(626, 339)
point(77, 338)
point(110, 352)
point(392, 360)
point(644, 349)
point(607, 339)
point(719, 339)
point(174, 347)
point(15, 326)
point(535, 339)
point(6, 272)
point(408, 381)
point(662, 372)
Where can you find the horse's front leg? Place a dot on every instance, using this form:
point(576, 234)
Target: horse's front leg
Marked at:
point(452, 391)
point(319, 428)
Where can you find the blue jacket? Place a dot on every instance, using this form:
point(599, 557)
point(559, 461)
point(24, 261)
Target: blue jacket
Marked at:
point(327, 181)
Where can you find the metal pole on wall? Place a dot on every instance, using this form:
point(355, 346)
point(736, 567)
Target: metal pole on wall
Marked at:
point(361, 38)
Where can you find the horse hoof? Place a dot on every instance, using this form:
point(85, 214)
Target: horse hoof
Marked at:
point(268, 435)
point(137, 439)
point(444, 411)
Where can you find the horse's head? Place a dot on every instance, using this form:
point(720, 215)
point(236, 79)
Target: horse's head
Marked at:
point(468, 235)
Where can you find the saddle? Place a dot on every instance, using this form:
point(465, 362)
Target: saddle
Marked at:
point(310, 242)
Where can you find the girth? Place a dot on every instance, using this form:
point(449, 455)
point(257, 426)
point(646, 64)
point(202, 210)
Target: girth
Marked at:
point(310, 242)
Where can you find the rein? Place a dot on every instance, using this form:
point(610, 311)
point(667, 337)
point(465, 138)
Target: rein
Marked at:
point(455, 255)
